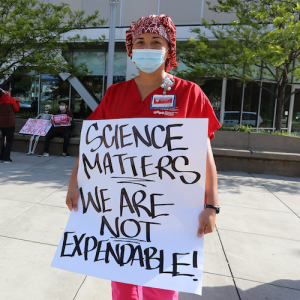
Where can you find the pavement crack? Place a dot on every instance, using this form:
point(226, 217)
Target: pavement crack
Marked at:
point(298, 216)
point(268, 283)
point(24, 240)
point(265, 235)
point(236, 288)
point(80, 287)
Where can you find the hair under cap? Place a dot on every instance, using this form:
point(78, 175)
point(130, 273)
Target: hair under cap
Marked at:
point(162, 25)
point(4, 88)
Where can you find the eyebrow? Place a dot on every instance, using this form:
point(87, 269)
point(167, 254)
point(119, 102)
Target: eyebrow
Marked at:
point(155, 37)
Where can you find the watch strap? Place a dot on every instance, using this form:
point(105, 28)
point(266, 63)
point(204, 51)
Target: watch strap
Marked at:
point(216, 208)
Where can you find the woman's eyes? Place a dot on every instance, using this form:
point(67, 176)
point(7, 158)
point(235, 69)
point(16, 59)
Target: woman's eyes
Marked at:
point(154, 42)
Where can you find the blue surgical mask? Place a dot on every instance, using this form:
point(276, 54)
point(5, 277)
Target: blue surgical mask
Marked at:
point(148, 60)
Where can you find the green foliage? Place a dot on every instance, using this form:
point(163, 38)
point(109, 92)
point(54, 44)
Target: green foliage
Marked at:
point(24, 115)
point(242, 128)
point(264, 37)
point(33, 35)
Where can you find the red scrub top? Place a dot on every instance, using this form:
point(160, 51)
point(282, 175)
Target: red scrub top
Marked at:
point(123, 100)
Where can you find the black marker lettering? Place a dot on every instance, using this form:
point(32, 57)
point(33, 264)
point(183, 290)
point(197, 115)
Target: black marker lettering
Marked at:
point(162, 168)
point(143, 162)
point(169, 138)
point(95, 125)
point(138, 136)
point(105, 222)
point(62, 254)
point(86, 246)
point(153, 137)
point(186, 162)
point(77, 244)
point(122, 136)
point(86, 162)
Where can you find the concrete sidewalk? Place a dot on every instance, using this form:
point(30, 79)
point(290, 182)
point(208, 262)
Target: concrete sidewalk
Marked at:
point(254, 253)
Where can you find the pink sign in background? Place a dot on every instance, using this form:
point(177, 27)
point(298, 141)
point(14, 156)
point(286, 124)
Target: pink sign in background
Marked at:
point(61, 120)
point(36, 127)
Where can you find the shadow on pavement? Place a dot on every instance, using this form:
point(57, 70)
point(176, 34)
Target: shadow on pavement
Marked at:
point(250, 290)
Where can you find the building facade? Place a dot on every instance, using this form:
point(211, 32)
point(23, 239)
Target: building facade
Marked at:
point(233, 101)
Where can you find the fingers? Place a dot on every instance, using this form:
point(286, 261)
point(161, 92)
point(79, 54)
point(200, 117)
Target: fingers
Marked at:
point(69, 204)
point(75, 204)
point(208, 229)
point(72, 201)
point(201, 229)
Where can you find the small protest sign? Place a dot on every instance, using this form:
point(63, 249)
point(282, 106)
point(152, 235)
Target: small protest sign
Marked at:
point(61, 120)
point(36, 127)
point(142, 186)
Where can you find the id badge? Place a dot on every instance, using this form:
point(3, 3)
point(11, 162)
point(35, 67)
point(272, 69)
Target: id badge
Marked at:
point(163, 101)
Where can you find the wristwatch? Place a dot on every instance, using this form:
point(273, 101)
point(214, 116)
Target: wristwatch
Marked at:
point(217, 208)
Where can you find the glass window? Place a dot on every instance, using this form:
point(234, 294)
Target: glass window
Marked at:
point(27, 87)
point(94, 84)
point(117, 79)
point(120, 63)
point(250, 104)
point(53, 89)
point(267, 105)
point(78, 106)
point(233, 95)
point(213, 90)
point(286, 107)
point(296, 113)
point(231, 116)
point(94, 59)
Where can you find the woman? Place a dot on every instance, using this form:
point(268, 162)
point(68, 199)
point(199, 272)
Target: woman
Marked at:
point(151, 44)
point(8, 107)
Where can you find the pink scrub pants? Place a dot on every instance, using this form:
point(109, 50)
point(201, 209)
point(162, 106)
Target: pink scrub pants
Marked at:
point(123, 291)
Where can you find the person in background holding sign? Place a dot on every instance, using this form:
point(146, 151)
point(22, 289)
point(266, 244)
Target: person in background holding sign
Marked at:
point(60, 131)
point(151, 44)
point(8, 107)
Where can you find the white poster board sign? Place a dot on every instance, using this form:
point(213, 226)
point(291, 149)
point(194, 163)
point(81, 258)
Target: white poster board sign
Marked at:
point(36, 127)
point(141, 187)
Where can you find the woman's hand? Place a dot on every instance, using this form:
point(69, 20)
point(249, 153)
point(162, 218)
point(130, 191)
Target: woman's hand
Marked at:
point(207, 220)
point(73, 192)
point(70, 119)
point(72, 198)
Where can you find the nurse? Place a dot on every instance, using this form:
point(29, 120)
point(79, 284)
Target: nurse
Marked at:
point(154, 93)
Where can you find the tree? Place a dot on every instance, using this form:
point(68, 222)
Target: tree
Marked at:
point(33, 36)
point(264, 37)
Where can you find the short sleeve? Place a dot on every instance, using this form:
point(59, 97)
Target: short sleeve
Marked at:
point(200, 107)
point(99, 112)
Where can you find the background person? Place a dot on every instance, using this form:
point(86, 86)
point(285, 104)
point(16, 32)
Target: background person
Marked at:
point(151, 44)
point(8, 107)
point(62, 131)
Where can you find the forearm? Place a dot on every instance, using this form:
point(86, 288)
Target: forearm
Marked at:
point(73, 183)
point(211, 183)
point(73, 193)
